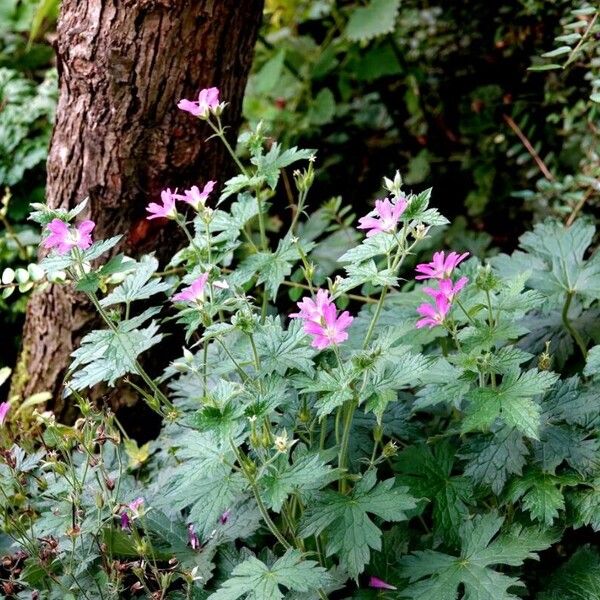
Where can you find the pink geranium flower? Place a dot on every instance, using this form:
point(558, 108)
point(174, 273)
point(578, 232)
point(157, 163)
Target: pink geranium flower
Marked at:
point(64, 237)
point(331, 330)
point(193, 539)
point(433, 315)
point(225, 517)
point(441, 266)
point(312, 310)
point(4, 408)
point(167, 210)
point(194, 292)
point(196, 198)
point(131, 512)
point(447, 288)
point(380, 584)
point(321, 321)
point(384, 218)
point(208, 100)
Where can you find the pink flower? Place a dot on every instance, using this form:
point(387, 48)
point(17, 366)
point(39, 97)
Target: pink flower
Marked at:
point(167, 210)
point(321, 321)
point(196, 198)
point(193, 539)
point(331, 330)
point(64, 238)
point(125, 521)
point(441, 266)
point(225, 517)
point(311, 310)
point(433, 315)
point(207, 100)
point(130, 512)
point(135, 505)
point(4, 408)
point(447, 288)
point(194, 292)
point(379, 584)
point(384, 218)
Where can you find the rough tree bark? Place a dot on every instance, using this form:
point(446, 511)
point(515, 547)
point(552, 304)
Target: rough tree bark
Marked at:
point(119, 138)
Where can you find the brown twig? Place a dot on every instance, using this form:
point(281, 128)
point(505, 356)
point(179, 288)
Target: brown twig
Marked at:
point(536, 157)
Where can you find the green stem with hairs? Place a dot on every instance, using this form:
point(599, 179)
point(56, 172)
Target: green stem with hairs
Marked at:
point(569, 326)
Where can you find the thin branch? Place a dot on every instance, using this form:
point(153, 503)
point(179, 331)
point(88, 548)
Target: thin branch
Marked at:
point(536, 157)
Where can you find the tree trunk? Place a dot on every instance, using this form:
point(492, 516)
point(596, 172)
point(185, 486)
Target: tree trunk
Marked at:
point(119, 138)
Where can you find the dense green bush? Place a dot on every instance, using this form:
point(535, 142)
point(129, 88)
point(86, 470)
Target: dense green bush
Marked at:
point(431, 446)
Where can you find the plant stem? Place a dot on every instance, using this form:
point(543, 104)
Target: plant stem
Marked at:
point(140, 371)
point(343, 454)
point(261, 507)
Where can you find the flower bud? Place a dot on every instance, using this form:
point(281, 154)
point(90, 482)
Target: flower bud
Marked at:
point(390, 449)
point(545, 359)
point(394, 186)
point(420, 231)
point(486, 280)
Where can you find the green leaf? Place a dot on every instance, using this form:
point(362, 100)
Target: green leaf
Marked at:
point(107, 355)
point(351, 532)
point(254, 580)
point(511, 402)
point(333, 389)
point(373, 20)
point(577, 579)
point(437, 576)
point(540, 493)
point(138, 285)
point(201, 480)
point(270, 73)
point(492, 458)
point(429, 475)
point(585, 505)
point(592, 365)
point(270, 164)
point(280, 350)
point(306, 474)
point(271, 268)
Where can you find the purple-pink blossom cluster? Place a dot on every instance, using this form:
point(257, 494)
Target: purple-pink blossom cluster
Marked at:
point(130, 513)
point(208, 101)
point(4, 408)
point(384, 217)
point(168, 209)
point(439, 269)
point(322, 322)
point(64, 237)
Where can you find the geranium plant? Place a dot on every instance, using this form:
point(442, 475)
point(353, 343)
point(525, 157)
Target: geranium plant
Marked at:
point(399, 431)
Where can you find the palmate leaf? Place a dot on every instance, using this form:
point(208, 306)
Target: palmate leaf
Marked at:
point(429, 475)
point(332, 389)
point(107, 355)
point(492, 458)
point(138, 285)
point(270, 268)
point(270, 164)
point(437, 576)
point(351, 532)
point(254, 580)
point(280, 350)
point(585, 505)
point(567, 432)
point(554, 257)
point(306, 474)
point(577, 579)
point(540, 493)
point(511, 402)
point(201, 481)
